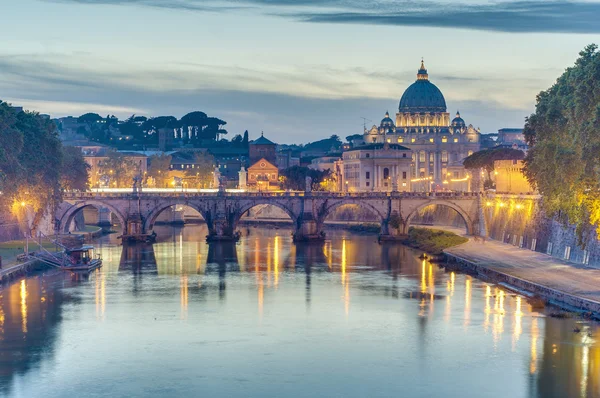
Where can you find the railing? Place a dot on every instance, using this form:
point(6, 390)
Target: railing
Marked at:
point(286, 194)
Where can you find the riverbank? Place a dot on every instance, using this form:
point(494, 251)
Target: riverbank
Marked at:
point(432, 241)
point(570, 286)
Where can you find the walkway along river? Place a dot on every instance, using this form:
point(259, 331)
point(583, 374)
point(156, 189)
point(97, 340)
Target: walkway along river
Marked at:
point(268, 318)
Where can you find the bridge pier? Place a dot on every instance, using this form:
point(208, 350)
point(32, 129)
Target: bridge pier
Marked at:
point(308, 230)
point(104, 217)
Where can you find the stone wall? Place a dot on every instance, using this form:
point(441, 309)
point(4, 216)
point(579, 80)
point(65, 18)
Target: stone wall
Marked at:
point(519, 221)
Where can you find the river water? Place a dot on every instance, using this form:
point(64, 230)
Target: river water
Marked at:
point(267, 318)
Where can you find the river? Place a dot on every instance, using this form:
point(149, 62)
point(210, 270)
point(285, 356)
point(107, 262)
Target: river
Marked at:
point(267, 318)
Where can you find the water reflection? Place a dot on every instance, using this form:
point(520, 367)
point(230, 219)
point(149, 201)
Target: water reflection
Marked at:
point(315, 303)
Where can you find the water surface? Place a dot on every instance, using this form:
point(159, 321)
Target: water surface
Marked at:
point(268, 318)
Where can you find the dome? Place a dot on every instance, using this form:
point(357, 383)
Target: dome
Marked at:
point(458, 121)
point(422, 96)
point(387, 121)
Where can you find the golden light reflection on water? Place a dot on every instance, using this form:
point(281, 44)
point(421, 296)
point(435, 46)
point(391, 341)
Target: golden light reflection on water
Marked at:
point(345, 281)
point(487, 309)
point(517, 328)
point(276, 259)
point(534, 337)
point(467, 317)
point(184, 295)
point(23, 295)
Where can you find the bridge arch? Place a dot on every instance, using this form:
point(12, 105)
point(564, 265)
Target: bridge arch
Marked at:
point(245, 207)
point(329, 207)
point(461, 212)
point(67, 218)
point(150, 219)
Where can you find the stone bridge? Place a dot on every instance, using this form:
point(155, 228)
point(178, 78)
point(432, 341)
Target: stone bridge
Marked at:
point(137, 212)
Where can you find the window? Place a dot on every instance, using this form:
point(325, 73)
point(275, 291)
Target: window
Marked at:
point(456, 174)
point(404, 155)
point(470, 153)
point(444, 156)
point(368, 183)
point(456, 140)
point(431, 140)
point(368, 155)
point(389, 140)
point(368, 175)
point(400, 139)
point(422, 156)
point(431, 157)
point(412, 140)
point(404, 175)
point(444, 139)
point(386, 173)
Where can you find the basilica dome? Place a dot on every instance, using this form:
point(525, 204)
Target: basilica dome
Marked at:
point(422, 96)
point(458, 121)
point(387, 121)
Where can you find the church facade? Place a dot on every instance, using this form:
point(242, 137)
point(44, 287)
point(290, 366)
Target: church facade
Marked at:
point(438, 144)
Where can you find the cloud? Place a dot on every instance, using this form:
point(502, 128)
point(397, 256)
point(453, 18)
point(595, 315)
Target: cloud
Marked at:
point(524, 16)
point(56, 84)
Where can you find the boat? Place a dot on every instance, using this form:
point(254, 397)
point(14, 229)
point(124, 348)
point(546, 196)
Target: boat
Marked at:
point(81, 259)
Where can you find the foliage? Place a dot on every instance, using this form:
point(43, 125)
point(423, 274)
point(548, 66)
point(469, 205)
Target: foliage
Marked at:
point(294, 178)
point(31, 163)
point(432, 241)
point(326, 144)
point(485, 160)
point(353, 137)
point(90, 118)
point(74, 170)
point(158, 168)
point(201, 175)
point(395, 221)
point(564, 136)
point(120, 169)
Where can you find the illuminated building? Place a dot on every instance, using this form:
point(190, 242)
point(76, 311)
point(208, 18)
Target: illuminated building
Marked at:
point(377, 167)
point(438, 144)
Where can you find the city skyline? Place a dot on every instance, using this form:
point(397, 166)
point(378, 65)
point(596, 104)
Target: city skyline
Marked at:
point(261, 65)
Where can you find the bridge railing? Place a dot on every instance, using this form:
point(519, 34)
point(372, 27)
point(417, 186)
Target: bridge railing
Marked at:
point(314, 194)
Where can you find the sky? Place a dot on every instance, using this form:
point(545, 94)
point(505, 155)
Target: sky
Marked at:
point(297, 70)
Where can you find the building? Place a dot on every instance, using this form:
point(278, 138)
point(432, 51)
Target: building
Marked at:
point(263, 176)
point(510, 178)
point(377, 167)
point(507, 135)
point(94, 155)
point(326, 162)
point(262, 148)
point(423, 125)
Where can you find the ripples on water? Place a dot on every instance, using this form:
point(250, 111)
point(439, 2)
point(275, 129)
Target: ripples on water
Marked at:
point(269, 318)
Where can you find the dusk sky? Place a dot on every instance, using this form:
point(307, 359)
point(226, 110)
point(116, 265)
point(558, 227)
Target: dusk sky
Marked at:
point(298, 70)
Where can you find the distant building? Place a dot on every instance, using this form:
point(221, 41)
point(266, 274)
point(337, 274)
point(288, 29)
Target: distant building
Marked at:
point(326, 162)
point(263, 176)
point(287, 159)
point(510, 178)
point(95, 154)
point(262, 148)
point(507, 135)
point(423, 125)
point(377, 167)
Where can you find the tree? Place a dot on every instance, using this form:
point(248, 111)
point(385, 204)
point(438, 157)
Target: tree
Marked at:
point(158, 168)
point(119, 169)
point(564, 136)
point(485, 159)
point(294, 178)
point(74, 170)
point(245, 139)
point(201, 175)
point(237, 140)
point(353, 137)
point(90, 118)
